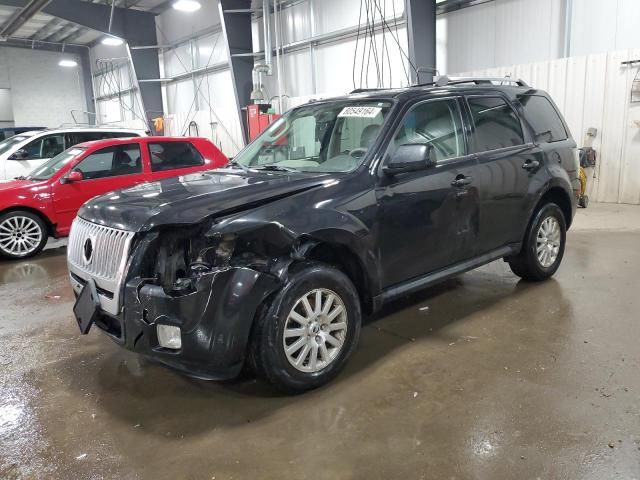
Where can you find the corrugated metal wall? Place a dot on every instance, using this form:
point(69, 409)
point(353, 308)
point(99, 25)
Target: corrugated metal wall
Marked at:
point(500, 32)
point(594, 91)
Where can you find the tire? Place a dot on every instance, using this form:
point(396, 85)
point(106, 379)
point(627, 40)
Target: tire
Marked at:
point(528, 264)
point(584, 201)
point(286, 310)
point(22, 234)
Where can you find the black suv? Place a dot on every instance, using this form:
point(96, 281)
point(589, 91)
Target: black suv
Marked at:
point(338, 207)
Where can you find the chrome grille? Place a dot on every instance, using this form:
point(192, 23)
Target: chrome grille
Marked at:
point(106, 263)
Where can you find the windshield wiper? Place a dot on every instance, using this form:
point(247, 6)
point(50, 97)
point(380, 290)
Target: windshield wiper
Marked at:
point(235, 163)
point(275, 168)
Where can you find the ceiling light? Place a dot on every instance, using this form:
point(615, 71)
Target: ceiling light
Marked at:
point(112, 41)
point(68, 63)
point(187, 5)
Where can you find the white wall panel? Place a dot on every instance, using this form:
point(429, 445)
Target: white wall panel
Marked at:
point(470, 40)
point(296, 22)
point(180, 96)
point(32, 76)
point(332, 15)
point(210, 50)
point(594, 91)
point(6, 107)
point(178, 60)
point(600, 26)
point(501, 32)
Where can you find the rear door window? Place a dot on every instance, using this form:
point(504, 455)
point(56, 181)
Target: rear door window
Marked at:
point(111, 162)
point(495, 124)
point(81, 137)
point(543, 118)
point(173, 155)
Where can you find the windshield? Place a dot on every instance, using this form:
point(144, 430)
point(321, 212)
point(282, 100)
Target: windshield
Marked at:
point(8, 144)
point(324, 137)
point(50, 168)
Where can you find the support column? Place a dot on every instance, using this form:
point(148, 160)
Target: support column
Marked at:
point(421, 30)
point(235, 16)
point(136, 27)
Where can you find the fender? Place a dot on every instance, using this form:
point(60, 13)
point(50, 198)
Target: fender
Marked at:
point(561, 181)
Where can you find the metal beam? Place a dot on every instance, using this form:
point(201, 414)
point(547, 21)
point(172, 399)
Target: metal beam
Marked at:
point(50, 26)
point(136, 27)
point(21, 17)
point(453, 5)
point(421, 31)
point(236, 28)
point(74, 35)
point(60, 33)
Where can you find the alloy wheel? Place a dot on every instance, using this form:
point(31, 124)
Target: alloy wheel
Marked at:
point(548, 241)
point(315, 330)
point(20, 235)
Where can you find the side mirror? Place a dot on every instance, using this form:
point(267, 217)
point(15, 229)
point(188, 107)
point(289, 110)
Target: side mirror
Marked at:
point(19, 155)
point(410, 158)
point(74, 176)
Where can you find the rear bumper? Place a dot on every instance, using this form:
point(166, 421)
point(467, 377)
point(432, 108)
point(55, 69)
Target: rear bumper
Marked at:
point(215, 321)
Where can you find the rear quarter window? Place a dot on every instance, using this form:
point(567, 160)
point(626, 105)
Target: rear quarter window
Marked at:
point(172, 155)
point(544, 120)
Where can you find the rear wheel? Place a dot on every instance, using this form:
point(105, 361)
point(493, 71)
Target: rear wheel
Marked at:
point(305, 335)
point(543, 247)
point(22, 234)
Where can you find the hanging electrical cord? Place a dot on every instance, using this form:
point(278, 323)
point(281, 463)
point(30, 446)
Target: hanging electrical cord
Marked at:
point(370, 54)
point(110, 86)
point(355, 51)
point(197, 92)
point(207, 99)
point(396, 38)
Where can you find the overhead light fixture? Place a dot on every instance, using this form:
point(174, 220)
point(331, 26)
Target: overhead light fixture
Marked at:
point(68, 63)
point(112, 41)
point(187, 5)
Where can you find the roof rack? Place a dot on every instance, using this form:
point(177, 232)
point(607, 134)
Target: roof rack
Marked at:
point(444, 80)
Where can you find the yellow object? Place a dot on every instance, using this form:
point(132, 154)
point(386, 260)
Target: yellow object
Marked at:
point(583, 181)
point(158, 124)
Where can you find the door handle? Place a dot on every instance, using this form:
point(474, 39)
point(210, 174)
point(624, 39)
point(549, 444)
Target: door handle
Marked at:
point(461, 181)
point(532, 165)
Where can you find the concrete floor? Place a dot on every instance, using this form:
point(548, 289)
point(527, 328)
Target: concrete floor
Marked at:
point(481, 377)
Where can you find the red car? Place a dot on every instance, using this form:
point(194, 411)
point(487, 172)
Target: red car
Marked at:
point(46, 202)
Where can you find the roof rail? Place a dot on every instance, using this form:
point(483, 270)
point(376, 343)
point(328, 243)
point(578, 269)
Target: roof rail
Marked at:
point(363, 90)
point(444, 80)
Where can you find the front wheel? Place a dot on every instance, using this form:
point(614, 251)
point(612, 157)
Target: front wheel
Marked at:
point(543, 246)
point(308, 331)
point(22, 234)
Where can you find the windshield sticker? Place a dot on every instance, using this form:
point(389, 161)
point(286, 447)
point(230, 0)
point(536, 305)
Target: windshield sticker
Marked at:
point(360, 112)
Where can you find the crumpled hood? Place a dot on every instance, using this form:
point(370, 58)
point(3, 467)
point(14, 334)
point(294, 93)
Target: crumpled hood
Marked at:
point(192, 198)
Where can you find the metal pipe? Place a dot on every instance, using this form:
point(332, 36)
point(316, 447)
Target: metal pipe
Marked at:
point(113, 7)
point(23, 16)
point(568, 12)
point(276, 23)
point(266, 26)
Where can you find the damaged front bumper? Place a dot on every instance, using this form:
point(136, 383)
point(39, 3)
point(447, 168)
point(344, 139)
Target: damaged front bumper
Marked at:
point(215, 320)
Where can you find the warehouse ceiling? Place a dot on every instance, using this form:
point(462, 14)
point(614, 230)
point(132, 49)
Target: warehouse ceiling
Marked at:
point(46, 28)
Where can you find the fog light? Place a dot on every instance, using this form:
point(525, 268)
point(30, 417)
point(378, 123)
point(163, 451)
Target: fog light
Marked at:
point(169, 336)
